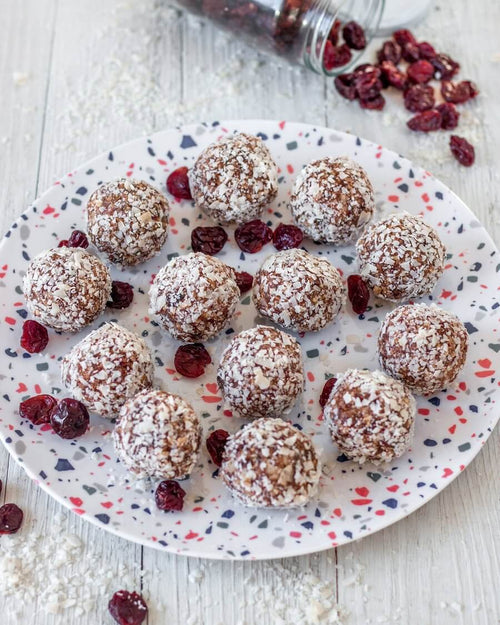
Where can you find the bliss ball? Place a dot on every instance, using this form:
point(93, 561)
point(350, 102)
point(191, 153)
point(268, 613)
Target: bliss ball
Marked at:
point(66, 288)
point(233, 180)
point(423, 346)
point(106, 368)
point(157, 435)
point(194, 296)
point(127, 220)
point(371, 416)
point(261, 373)
point(332, 200)
point(299, 291)
point(270, 464)
point(400, 257)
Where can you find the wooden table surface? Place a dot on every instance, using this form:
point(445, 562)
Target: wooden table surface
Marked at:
point(77, 78)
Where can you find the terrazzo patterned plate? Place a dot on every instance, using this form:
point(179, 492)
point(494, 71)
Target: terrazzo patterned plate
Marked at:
point(354, 500)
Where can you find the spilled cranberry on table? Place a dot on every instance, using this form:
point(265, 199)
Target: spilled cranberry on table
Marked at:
point(11, 518)
point(423, 65)
point(128, 608)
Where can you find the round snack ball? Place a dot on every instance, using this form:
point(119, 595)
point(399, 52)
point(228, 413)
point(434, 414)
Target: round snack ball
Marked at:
point(400, 257)
point(261, 373)
point(66, 288)
point(127, 220)
point(332, 200)
point(194, 296)
point(423, 346)
point(107, 367)
point(233, 180)
point(299, 291)
point(371, 416)
point(157, 435)
point(270, 464)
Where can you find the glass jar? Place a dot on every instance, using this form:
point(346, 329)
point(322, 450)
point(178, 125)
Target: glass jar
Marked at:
point(300, 31)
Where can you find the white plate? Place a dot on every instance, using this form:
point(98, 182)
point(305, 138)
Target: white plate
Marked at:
point(354, 500)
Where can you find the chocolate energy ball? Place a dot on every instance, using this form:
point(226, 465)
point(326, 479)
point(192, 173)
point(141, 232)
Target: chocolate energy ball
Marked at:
point(332, 200)
point(270, 464)
point(261, 373)
point(400, 257)
point(66, 288)
point(127, 220)
point(371, 416)
point(106, 368)
point(233, 180)
point(299, 291)
point(423, 346)
point(157, 435)
point(194, 296)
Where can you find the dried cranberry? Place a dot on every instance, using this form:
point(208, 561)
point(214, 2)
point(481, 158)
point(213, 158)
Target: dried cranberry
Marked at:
point(244, 281)
point(286, 237)
point(376, 103)
point(78, 239)
point(445, 67)
point(354, 35)
point(410, 52)
point(462, 150)
point(37, 409)
point(122, 294)
point(392, 76)
point(70, 419)
point(458, 92)
point(252, 236)
point(336, 56)
point(367, 81)
point(404, 36)
point(449, 115)
point(169, 495)
point(344, 83)
point(35, 337)
point(334, 33)
point(358, 293)
point(390, 51)
point(127, 608)
point(420, 72)
point(191, 360)
point(427, 121)
point(216, 443)
point(63, 243)
point(208, 239)
point(325, 393)
point(11, 518)
point(426, 50)
point(419, 98)
point(178, 184)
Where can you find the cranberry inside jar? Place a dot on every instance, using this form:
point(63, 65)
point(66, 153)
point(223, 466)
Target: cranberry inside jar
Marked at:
point(324, 35)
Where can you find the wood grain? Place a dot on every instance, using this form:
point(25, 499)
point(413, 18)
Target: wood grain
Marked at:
point(103, 73)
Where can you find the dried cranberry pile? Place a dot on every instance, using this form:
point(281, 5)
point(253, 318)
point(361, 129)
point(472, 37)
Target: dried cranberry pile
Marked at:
point(409, 66)
point(338, 54)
